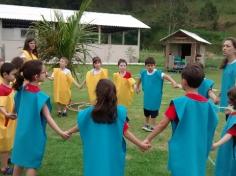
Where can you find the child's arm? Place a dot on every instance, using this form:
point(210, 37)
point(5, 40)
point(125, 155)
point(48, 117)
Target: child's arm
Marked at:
point(6, 114)
point(83, 84)
point(158, 129)
point(223, 140)
point(213, 96)
point(170, 79)
point(137, 89)
point(53, 124)
point(72, 130)
point(132, 138)
point(51, 77)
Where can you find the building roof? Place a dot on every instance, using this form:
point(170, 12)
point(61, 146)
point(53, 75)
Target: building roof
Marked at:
point(14, 12)
point(190, 34)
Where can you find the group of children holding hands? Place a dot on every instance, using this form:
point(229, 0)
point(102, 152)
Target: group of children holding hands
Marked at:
point(103, 125)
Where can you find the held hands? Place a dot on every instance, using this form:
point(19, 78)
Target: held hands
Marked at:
point(145, 145)
point(65, 135)
point(11, 116)
point(137, 89)
point(176, 85)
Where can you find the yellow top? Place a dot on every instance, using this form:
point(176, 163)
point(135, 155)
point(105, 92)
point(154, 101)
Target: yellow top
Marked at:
point(92, 80)
point(28, 56)
point(62, 85)
point(7, 132)
point(124, 88)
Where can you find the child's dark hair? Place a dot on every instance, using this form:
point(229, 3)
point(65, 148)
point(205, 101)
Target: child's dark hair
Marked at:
point(18, 62)
point(225, 61)
point(6, 68)
point(232, 96)
point(96, 59)
point(28, 71)
point(150, 60)
point(27, 47)
point(105, 110)
point(193, 74)
point(122, 61)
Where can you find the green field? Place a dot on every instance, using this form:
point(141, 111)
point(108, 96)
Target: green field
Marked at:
point(65, 157)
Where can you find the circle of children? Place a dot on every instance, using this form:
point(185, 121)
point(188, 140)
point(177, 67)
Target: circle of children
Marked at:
point(193, 116)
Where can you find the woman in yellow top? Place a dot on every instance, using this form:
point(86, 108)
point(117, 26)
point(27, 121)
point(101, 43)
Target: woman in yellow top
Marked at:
point(29, 51)
point(62, 81)
point(125, 84)
point(7, 124)
point(93, 76)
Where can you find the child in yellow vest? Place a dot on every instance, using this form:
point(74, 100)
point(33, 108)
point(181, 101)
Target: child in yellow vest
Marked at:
point(125, 84)
point(62, 86)
point(7, 122)
point(93, 76)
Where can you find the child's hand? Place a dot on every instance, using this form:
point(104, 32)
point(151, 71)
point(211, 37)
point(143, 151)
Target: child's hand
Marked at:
point(11, 116)
point(137, 89)
point(65, 135)
point(214, 146)
point(216, 100)
point(145, 145)
point(176, 85)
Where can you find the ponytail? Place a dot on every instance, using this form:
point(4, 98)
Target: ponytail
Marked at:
point(224, 63)
point(19, 80)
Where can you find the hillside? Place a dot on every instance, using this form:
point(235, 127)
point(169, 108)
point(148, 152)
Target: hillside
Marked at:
point(212, 19)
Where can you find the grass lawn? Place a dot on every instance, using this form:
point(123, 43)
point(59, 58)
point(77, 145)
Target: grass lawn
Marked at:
point(64, 158)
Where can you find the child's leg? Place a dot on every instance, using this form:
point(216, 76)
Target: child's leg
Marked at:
point(31, 172)
point(4, 160)
point(17, 170)
point(154, 114)
point(59, 109)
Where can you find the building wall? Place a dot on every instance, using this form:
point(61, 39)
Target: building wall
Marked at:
point(112, 53)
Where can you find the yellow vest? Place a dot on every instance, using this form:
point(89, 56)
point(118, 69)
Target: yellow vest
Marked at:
point(29, 56)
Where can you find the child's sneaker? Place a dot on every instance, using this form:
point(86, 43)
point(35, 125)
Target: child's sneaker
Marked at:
point(7, 171)
point(64, 114)
point(59, 114)
point(146, 128)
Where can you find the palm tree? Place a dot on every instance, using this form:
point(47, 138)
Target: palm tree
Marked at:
point(64, 37)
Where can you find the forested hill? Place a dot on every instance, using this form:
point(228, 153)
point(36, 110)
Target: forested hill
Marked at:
point(212, 19)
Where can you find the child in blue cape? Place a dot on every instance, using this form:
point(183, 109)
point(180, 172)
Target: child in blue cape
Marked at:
point(152, 85)
point(226, 157)
point(206, 88)
point(33, 113)
point(193, 119)
point(102, 128)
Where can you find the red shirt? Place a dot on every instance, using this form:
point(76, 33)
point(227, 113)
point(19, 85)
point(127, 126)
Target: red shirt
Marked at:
point(32, 88)
point(232, 130)
point(171, 112)
point(126, 126)
point(4, 90)
point(127, 75)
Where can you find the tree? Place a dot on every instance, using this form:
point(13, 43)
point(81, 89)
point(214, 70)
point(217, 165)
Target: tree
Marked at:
point(209, 14)
point(63, 38)
point(175, 15)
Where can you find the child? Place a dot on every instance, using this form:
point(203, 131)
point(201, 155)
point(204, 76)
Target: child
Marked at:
point(205, 88)
point(62, 86)
point(102, 128)
point(152, 85)
point(7, 124)
point(226, 161)
point(93, 76)
point(193, 120)
point(124, 83)
point(33, 112)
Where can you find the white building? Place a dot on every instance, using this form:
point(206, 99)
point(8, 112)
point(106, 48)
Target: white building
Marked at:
point(15, 20)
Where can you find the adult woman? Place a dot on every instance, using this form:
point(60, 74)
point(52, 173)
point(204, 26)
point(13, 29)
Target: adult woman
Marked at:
point(29, 51)
point(228, 67)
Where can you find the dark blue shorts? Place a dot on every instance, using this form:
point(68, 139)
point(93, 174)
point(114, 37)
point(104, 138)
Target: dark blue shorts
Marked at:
point(148, 113)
